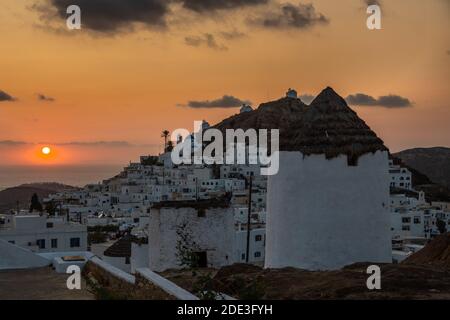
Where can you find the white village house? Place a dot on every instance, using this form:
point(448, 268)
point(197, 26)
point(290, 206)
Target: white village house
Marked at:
point(200, 231)
point(328, 206)
point(40, 233)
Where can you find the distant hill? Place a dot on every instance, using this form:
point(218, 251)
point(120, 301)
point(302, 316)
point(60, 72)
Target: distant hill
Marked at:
point(433, 162)
point(22, 194)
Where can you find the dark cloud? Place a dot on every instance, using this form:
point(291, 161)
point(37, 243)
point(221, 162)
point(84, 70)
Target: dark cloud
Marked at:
point(394, 101)
point(232, 35)
point(111, 16)
point(213, 5)
point(307, 98)
point(389, 101)
point(42, 97)
point(113, 144)
point(372, 2)
point(5, 97)
point(287, 15)
point(227, 101)
point(207, 40)
point(12, 143)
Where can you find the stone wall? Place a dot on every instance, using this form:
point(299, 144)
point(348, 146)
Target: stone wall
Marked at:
point(107, 286)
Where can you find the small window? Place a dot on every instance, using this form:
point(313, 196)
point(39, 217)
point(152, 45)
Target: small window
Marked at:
point(258, 237)
point(54, 243)
point(405, 228)
point(40, 243)
point(243, 256)
point(352, 160)
point(74, 242)
point(136, 220)
point(201, 213)
point(406, 220)
point(127, 260)
point(416, 220)
point(257, 254)
point(12, 242)
point(49, 225)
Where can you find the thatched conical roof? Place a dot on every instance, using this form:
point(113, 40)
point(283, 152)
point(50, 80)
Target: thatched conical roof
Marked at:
point(327, 126)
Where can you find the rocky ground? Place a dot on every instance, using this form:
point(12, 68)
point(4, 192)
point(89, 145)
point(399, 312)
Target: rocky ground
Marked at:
point(425, 275)
point(39, 284)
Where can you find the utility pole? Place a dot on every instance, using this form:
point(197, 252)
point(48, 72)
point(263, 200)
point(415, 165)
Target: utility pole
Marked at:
point(196, 188)
point(249, 219)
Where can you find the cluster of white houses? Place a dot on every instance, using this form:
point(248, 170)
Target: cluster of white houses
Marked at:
point(128, 200)
point(177, 213)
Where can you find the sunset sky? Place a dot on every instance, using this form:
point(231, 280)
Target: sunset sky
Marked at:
point(104, 93)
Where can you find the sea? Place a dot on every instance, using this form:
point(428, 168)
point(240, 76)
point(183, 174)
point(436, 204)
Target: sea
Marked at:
point(74, 175)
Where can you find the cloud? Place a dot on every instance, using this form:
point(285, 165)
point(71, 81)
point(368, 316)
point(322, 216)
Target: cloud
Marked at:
point(232, 35)
point(87, 144)
point(42, 97)
point(227, 101)
point(207, 40)
point(372, 2)
point(289, 16)
point(307, 98)
point(368, 3)
point(5, 97)
point(389, 101)
point(203, 6)
point(12, 143)
point(97, 144)
point(111, 16)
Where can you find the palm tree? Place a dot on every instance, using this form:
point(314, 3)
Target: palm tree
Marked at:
point(165, 135)
point(169, 147)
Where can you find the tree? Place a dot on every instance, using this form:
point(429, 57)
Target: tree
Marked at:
point(186, 247)
point(169, 147)
point(165, 135)
point(441, 225)
point(35, 204)
point(50, 208)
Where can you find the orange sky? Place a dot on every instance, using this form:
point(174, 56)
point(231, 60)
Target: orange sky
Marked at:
point(128, 86)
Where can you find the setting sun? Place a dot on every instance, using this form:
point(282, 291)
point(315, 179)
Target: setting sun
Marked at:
point(46, 150)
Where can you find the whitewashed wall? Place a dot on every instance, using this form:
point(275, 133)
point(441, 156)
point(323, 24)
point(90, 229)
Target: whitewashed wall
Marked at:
point(118, 262)
point(257, 247)
point(213, 233)
point(324, 214)
point(15, 257)
point(139, 256)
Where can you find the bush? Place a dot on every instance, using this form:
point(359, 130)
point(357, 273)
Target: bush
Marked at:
point(97, 237)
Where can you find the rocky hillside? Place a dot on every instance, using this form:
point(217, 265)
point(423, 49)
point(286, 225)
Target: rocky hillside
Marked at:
point(22, 194)
point(436, 253)
point(433, 162)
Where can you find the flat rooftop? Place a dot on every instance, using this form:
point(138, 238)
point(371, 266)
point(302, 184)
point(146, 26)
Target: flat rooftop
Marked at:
point(39, 284)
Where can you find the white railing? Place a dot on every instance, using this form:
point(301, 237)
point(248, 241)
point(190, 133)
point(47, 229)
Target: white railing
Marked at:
point(113, 270)
point(166, 285)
